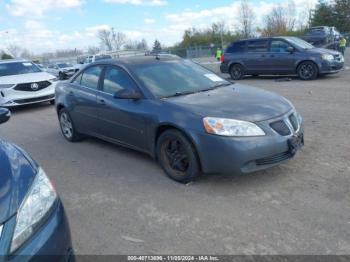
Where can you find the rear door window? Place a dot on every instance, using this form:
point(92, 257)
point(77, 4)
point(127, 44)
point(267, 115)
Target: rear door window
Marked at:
point(237, 47)
point(91, 77)
point(257, 46)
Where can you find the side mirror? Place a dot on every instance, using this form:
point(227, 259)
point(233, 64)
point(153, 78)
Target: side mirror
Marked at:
point(127, 94)
point(290, 49)
point(5, 115)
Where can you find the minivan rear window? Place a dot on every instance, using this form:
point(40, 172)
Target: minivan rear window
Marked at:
point(237, 47)
point(258, 45)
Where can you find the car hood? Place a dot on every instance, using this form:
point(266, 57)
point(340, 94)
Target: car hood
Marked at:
point(16, 176)
point(323, 51)
point(235, 101)
point(26, 78)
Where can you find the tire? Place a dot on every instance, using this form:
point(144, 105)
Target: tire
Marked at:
point(237, 72)
point(307, 71)
point(177, 156)
point(67, 126)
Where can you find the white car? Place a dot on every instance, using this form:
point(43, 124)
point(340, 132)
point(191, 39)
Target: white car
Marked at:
point(62, 70)
point(22, 82)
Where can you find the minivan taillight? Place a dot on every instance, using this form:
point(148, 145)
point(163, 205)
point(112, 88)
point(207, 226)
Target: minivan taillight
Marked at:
point(222, 58)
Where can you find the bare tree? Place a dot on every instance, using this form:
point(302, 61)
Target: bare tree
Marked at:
point(280, 21)
point(105, 39)
point(14, 50)
point(111, 40)
point(118, 39)
point(246, 17)
point(25, 53)
point(93, 50)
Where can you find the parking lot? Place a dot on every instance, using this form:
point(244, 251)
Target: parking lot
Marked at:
point(119, 201)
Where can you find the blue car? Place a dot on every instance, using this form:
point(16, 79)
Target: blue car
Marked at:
point(33, 224)
point(186, 117)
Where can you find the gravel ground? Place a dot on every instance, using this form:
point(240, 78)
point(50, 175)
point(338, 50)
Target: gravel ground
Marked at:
point(119, 202)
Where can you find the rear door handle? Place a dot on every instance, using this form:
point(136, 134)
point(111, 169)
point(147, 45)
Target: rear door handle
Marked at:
point(71, 93)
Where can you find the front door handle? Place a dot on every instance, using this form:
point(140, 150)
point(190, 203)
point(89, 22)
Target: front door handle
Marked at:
point(101, 101)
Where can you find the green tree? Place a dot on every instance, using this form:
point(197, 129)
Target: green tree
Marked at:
point(341, 11)
point(157, 47)
point(6, 56)
point(323, 15)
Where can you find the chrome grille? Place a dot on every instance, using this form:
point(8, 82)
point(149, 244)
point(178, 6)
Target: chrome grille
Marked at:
point(280, 127)
point(28, 86)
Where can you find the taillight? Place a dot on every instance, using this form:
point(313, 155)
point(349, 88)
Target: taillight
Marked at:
point(222, 58)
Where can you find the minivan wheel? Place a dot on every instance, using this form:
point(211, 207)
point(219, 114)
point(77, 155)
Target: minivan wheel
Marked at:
point(307, 71)
point(67, 126)
point(177, 156)
point(237, 72)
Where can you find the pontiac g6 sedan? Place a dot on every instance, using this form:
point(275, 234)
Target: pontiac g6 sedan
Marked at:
point(189, 119)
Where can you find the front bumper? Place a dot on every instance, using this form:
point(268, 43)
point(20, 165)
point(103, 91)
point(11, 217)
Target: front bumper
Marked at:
point(331, 67)
point(52, 241)
point(244, 154)
point(224, 68)
point(10, 97)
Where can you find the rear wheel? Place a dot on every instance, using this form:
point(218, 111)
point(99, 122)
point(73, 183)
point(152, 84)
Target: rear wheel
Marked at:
point(177, 156)
point(67, 126)
point(237, 72)
point(307, 71)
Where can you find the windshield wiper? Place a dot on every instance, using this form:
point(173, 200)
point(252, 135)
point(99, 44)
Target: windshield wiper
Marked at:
point(180, 94)
point(220, 85)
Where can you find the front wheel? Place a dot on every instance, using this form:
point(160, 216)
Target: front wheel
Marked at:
point(237, 72)
point(177, 156)
point(67, 126)
point(307, 71)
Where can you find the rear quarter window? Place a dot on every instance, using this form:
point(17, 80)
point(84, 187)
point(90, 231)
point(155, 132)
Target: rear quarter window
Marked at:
point(237, 47)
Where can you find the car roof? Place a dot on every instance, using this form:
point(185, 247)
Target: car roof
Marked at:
point(138, 60)
point(6, 61)
point(263, 38)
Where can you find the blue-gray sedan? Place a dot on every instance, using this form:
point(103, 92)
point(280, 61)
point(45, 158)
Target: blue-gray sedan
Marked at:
point(33, 224)
point(188, 118)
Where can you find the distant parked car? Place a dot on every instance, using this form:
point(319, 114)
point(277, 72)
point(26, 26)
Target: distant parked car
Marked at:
point(320, 36)
point(279, 56)
point(88, 59)
point(183, 115)
point(22, 82)
point(33, 223)
point(62, 70)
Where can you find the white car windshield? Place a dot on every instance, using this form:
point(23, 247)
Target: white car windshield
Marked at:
point(18, 68)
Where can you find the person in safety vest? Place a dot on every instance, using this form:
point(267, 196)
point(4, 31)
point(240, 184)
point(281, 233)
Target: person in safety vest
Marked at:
point(218, 54)
point(342, 45)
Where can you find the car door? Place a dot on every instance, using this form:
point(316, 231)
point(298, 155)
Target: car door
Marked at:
point(121, 120)
point(256, 56)
point(82, 96)
point(279, 59)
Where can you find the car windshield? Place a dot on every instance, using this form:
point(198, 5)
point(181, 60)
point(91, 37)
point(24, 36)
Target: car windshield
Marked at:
point(18, 68)
point(64, 65)
point(179, 77)
point(300, 43)
point(317, 31)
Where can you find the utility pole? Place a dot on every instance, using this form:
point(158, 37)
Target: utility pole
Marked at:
point(222, 38)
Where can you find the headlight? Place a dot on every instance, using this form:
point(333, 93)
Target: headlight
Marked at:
point(6, 86)
point(39, 200)
point(327, 57)
point(231, 127)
